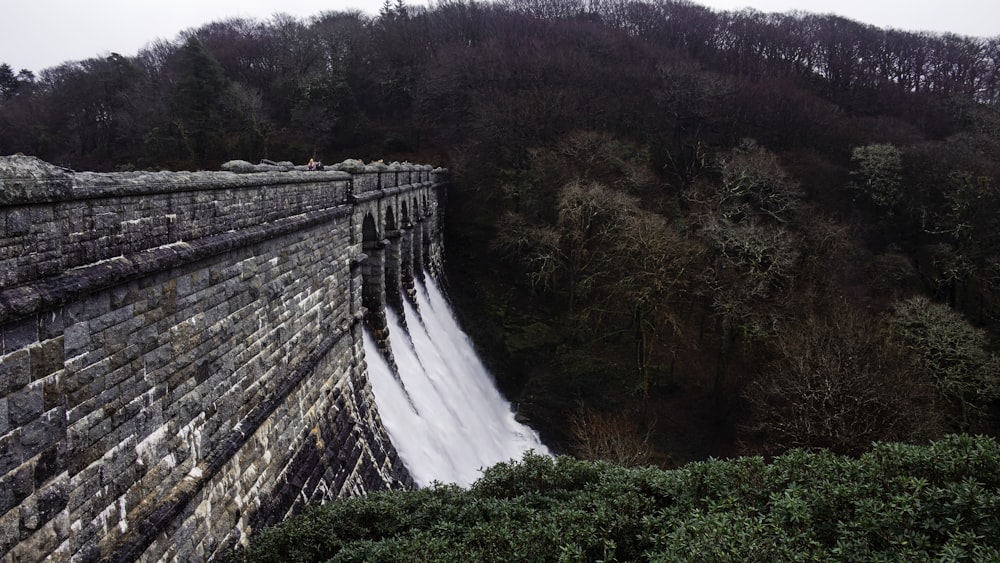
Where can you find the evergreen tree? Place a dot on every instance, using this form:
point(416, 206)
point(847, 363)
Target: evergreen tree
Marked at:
point(197, 100)
point(8, 82)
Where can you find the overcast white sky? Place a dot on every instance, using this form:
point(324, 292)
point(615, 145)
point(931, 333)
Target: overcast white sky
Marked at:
point(37, 34)
point(980, 18)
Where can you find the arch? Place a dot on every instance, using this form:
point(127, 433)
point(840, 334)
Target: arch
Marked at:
point(369, 230)
point(392, 259)
point(405, 215)
point(390, 219)
point(373, 286)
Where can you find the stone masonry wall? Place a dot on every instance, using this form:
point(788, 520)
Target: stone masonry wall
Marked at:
point(181, 357)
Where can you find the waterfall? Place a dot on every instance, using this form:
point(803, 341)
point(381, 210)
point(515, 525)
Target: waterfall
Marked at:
point(444, 414)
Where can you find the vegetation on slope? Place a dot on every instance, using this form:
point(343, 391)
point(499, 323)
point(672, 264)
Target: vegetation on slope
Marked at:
point(896, 502)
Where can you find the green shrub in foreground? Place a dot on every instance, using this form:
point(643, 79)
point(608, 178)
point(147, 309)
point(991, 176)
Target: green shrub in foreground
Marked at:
point(896, 503)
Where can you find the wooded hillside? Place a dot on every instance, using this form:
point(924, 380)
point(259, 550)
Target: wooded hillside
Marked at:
point(674, 232)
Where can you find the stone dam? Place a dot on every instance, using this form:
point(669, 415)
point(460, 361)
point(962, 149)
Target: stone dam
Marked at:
point(182, 358)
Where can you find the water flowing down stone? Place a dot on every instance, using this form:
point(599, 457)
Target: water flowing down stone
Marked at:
point(444, 414)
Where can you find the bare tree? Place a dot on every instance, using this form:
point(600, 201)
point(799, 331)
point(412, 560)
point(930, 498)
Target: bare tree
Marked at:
point(839, 382)
point(614, 437)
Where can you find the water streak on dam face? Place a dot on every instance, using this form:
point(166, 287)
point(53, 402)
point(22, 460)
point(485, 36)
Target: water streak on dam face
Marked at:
point(443, 412)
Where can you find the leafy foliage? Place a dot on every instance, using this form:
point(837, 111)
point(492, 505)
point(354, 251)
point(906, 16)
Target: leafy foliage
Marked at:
point(879, 168)
point(954, 353)
point(896, 502)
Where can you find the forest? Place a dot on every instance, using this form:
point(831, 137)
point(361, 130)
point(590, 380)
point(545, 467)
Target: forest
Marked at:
point(674, 233)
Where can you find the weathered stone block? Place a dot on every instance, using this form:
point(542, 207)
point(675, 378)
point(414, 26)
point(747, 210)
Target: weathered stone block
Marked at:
point(51, 324)
point(20, 484)
point(20, 334)
point(42, 433)
point(26, 405)
point(5, 426)
point(46, 358)
point(49, 464)
point(10, 533)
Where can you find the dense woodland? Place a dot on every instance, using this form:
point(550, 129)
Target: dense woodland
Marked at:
point(674, 232)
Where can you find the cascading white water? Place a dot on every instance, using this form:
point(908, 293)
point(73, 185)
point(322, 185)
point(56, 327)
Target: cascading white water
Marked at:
point(444, 414)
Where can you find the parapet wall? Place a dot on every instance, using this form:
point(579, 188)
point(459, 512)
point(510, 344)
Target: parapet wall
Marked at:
point(181, 355)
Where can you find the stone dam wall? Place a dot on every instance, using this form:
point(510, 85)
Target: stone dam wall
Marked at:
point(181, 359)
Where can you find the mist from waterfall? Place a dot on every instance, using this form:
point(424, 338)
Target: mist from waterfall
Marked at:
point(444, 414)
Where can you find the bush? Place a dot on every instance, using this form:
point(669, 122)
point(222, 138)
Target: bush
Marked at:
point(896, 502)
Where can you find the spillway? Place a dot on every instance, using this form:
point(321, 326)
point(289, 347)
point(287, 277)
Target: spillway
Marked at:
point(443, 412)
